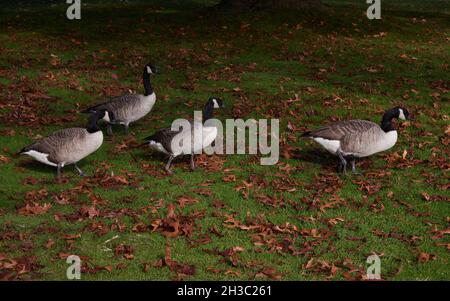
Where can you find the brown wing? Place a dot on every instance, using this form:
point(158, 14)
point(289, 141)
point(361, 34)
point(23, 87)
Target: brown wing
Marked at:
point(362, 143)
point(58, 144)
point(337, 130)
point(119, 105)
point(164, 136)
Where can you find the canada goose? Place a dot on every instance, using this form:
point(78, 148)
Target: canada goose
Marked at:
point(358, 138)
point(68, 146)
point(128, 108)
point(162, 140)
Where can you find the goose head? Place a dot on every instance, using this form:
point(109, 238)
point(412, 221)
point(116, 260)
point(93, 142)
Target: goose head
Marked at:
point(108, 116)
point(401, 113)
point(92, 126)
point(212, 104)
point(397, 112)
point(150, 69)
point(215, 103)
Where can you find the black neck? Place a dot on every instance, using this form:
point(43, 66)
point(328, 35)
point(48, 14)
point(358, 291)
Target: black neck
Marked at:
point(208, 112)
point(386, 122)
point(92, 126)
point(147, 86)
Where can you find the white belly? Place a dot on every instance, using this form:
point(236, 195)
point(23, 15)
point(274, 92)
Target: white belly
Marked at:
point(209, 135)
point(41, 157)
point(90, 144)
point(187, 143)
point(330, 145)
point(147, 103)
point(387, 142)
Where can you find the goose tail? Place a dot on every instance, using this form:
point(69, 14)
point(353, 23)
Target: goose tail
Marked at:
point(88, 110)
point(23, 151)
point(149, 138)
point(142, 144)
point(147, 141)
point(306, 134)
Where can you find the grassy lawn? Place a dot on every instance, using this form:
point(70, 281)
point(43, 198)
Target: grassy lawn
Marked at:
point(238, 220)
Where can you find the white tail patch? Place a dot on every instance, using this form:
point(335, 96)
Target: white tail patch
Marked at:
point(158, 147)
point(41, 157)
point(330, 145)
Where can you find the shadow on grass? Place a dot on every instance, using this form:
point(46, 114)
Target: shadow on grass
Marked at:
point(35, 166)
point(50, 171)
point(316, 156)
point(159, 161)
point(145, 154)
point(330, 162)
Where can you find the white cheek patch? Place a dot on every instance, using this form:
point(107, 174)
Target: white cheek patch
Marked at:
point(149, 70)
point(106, 117)
point(401, 115)
point(216, 105)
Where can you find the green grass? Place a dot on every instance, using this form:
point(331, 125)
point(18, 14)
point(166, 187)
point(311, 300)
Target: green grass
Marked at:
point(335, 62)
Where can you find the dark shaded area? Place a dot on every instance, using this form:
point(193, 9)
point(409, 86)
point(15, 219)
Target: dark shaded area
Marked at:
point(244, 5)
point(327, 161)
point(179, 4)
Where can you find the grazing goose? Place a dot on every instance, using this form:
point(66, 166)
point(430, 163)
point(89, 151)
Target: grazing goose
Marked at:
point(130, 107)
point(358, 138)
point(68, 146)
point(162, 140)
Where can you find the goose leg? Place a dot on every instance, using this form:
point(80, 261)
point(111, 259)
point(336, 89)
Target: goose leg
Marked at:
point(109, 129)
point(192, 162)
point(343, 165)
point(82, 174)
point(127, 126)
point(58, 172)
point(354, 171)
point(167, 168)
